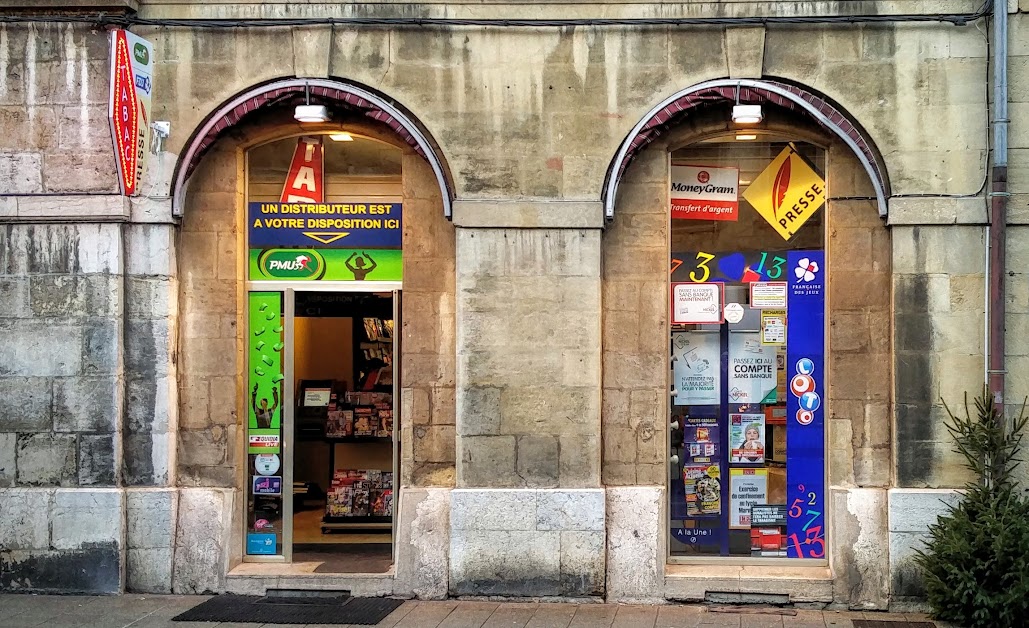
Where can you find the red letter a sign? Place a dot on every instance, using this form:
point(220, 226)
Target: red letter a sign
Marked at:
point(305, 181)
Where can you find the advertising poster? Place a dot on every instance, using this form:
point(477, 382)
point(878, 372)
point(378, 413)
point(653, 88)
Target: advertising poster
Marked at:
point(700, 440)
point(703, 490)
point(773, 327)
point(747, 438)
point(752, 372)
point(768, 294)
point(786, 193)
point(768, 530)
point(705, 193)
point(697, 373)
point(747, 488)
point(696, 304)
point(264, 361)
point(805, 408)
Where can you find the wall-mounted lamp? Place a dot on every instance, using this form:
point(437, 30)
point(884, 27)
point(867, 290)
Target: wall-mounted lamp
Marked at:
point(308, 112)
point(342, 136)
point(745, 137)
point(747, 114)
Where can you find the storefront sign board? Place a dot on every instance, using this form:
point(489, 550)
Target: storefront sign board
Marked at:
point(260, 543)
point(705, 193)
point(747, 488)
point(786, 193)
point(696, 372)
point(752, 372)
point(370, 224)
point(129, 106)
point(281, 264)
point(696, 303)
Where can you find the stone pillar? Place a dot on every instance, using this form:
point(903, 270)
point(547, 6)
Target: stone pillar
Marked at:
point(528, 516)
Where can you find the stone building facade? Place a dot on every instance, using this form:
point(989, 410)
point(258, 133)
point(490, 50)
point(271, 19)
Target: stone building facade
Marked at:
point(534, 407)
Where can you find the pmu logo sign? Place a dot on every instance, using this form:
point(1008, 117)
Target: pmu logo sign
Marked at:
point(291, 264)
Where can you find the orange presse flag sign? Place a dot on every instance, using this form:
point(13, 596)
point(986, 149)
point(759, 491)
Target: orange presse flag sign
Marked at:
point(787, 193)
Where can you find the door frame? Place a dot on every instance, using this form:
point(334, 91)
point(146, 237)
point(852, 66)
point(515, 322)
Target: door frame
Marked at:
point(288, 290)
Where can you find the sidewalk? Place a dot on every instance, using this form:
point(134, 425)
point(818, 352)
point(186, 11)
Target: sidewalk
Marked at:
point(156, 611)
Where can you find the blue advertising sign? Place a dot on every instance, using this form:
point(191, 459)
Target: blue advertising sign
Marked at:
point(325, 225)
point(260, 543)
point(805, 407)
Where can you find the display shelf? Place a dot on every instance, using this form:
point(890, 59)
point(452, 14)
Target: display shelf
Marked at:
point(368, 522)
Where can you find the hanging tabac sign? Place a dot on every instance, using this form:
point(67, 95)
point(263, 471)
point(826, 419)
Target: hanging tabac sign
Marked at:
point(787, 193)
point(305, 182)
point(132, 62)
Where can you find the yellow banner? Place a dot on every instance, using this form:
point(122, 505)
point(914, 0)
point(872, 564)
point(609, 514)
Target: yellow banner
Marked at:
point(786, 193)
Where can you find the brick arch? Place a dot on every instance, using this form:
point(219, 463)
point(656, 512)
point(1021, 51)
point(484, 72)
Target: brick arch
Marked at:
point(333, 93)
point(672, 110)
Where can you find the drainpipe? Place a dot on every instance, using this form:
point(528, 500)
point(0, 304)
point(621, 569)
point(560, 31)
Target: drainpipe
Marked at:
point(997, 228)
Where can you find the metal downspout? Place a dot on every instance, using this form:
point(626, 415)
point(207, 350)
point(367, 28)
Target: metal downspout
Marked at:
point(998, 201)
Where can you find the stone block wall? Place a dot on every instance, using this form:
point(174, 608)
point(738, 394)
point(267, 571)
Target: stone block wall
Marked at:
point(528, 357)
point(61, 307)
point(428, 403)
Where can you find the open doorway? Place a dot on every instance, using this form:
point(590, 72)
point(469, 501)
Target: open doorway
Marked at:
point(344, 428)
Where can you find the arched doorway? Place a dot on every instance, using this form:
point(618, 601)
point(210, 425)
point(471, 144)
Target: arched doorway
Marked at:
point(362, 202)
point(684, 220)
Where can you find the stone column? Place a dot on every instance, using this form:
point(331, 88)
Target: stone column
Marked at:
point(528, 516)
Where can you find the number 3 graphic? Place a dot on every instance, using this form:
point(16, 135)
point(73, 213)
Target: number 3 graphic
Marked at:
point(702, 265)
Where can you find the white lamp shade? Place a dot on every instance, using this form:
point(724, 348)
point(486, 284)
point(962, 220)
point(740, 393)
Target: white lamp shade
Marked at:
point(747, 114)
point(311, 113)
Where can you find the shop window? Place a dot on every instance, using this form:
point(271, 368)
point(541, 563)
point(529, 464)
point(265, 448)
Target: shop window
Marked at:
point(748, 286)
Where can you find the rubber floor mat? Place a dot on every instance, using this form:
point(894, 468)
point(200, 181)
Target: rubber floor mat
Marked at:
point(366, 611)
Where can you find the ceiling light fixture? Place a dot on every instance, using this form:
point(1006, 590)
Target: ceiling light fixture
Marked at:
point(308, 112)
point(746, 114)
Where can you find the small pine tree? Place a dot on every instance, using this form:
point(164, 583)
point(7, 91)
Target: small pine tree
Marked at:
point(976, 560)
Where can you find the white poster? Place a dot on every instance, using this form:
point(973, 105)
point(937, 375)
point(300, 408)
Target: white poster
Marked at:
point(696, 372)
point(696, 303)
point(747, 487)
point(705, 193)
point(752, 372)
point(768, 294)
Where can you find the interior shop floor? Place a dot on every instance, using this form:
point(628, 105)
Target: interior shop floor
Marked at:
point(307, 528)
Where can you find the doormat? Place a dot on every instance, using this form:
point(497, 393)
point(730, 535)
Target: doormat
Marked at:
point(891, 624)
point(365, 611)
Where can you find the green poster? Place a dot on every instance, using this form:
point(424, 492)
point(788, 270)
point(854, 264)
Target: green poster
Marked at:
point(326, 264)
point(264, 335)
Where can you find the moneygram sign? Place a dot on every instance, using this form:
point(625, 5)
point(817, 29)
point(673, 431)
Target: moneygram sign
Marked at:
point(705, 193)
point(129, 106)
point(296, 264)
